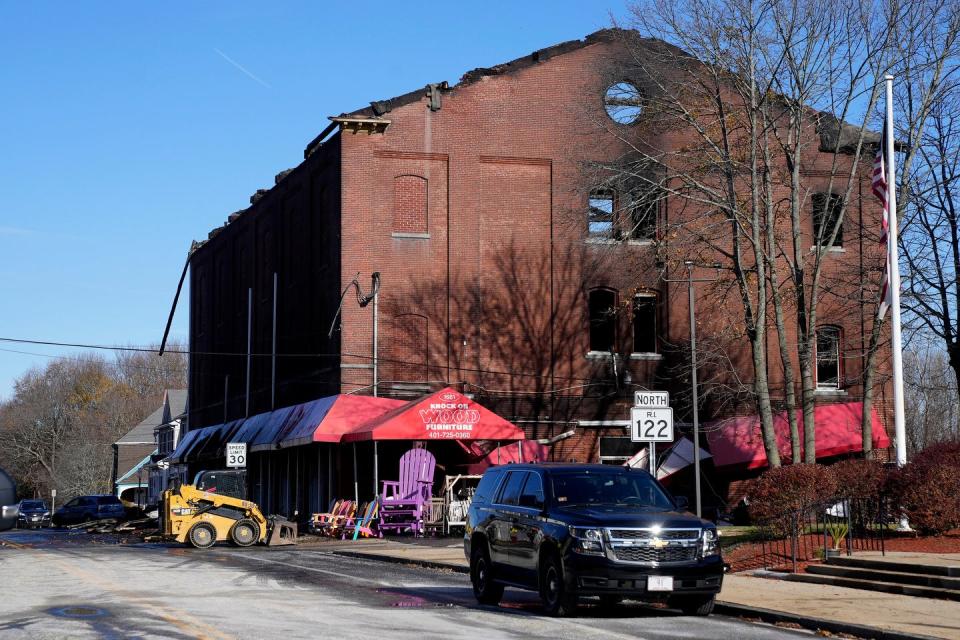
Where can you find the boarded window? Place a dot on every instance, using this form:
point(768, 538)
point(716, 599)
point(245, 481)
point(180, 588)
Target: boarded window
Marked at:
point(603, 319)
point(828, 358)
point(410, 204)
point(827, 209)
point(645, 323)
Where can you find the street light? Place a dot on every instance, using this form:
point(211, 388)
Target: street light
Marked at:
point(690, 280)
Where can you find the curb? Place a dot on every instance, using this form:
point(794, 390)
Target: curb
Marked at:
point(815, 624)
point(723, 608)
point(428, 564)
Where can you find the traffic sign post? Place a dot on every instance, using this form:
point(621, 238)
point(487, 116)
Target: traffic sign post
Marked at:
point(651, 421)
point(236, 455)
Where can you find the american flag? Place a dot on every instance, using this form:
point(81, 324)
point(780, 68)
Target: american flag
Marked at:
point(880, 189)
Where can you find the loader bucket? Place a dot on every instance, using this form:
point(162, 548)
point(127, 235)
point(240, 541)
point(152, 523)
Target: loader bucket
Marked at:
point(282, 532)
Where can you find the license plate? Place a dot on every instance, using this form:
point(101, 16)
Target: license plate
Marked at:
point(660, 583)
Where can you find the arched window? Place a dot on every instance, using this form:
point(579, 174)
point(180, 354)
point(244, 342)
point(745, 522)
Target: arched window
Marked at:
point(603, 319)
point(410, 204)
point(829, 361)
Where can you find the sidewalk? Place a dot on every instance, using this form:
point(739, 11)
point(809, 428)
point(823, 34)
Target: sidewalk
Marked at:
point(836, 609)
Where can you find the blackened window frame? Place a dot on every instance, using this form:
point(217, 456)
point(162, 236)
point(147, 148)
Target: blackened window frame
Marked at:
point(644, 215)
point(651, 299)
point(821, 204)
point(602, 315)
point(835, 356)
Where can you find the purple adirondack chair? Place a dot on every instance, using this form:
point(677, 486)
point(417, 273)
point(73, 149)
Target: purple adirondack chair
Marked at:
point(404, 502)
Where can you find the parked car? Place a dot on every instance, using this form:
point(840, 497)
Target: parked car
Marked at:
point(34, 514)
point(8, 504)
point(85, 508)
point(575, 530)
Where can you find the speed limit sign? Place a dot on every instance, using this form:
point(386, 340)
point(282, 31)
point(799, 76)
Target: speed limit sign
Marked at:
point(651, 425)
point(236, 454)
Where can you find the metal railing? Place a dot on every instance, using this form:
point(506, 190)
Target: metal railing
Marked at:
point(824, 529)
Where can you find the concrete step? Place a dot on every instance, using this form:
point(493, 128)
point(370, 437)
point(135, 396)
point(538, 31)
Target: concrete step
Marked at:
point(872, 585)
point(893, 565)
point(884, 575)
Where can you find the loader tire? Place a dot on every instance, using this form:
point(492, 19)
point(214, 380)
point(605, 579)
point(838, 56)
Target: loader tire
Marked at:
point(202, 535)
point(245, 532)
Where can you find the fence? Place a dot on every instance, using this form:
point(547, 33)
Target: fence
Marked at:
point(823, 530)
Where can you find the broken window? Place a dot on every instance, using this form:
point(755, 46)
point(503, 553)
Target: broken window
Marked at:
point(623, 103)
point(828, 357)
point(644, 211)
point(645, 323)
point(827, 209)
point(600, 223)
point(603, 319)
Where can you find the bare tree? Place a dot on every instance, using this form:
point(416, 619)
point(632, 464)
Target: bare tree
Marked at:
point(930, 396)
point(56, 430)
point(746, 114)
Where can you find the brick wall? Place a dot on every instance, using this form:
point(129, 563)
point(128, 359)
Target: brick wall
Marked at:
point(475, 216)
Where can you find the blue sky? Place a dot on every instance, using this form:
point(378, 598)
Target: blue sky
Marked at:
point(127, 130)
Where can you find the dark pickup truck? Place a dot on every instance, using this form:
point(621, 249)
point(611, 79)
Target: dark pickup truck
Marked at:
point(572, 530)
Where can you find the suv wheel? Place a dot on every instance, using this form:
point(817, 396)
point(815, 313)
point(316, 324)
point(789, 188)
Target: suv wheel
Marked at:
point(693, 605)
point(553, 590)
point(485, 590)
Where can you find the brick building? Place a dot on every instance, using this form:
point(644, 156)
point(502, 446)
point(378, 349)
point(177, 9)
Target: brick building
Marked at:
point(504, 269)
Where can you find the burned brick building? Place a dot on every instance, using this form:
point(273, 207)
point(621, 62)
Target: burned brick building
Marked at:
point(504, 270)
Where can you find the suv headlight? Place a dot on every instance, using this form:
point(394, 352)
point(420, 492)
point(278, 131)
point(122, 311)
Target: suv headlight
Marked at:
point(587, 541)
point(711, 543)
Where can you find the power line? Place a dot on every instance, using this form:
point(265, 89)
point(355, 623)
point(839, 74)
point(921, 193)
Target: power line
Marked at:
point(341, 355)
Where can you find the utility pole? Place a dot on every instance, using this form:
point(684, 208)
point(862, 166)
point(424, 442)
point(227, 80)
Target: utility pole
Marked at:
point(690, 280)
point(273, 352)
point(249, 343)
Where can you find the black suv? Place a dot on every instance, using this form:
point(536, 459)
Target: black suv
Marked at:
point(576, 530)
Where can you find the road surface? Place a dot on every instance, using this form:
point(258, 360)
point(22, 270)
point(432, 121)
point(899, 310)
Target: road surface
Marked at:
point(59, 585)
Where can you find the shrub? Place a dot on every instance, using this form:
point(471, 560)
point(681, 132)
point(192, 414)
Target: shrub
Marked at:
point(781, 494)
point(859, 479)
point(927, 489)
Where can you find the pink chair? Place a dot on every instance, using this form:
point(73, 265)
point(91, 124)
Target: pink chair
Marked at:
point(404, 502)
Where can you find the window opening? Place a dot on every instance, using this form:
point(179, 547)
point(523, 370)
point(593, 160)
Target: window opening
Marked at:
point(603, 323)
point(827, 209)
point(645, 323)
point(828, 358)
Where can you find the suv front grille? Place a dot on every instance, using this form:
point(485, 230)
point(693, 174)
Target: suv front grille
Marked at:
point(649, 554)
point(647, 534)
point(654, 546)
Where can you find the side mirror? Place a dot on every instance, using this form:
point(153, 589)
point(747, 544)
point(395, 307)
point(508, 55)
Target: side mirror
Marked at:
point(682, 503)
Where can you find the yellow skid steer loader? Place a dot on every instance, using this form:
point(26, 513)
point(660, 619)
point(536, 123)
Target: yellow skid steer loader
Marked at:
point(215, 509)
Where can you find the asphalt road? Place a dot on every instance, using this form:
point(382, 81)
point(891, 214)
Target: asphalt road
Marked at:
point(57, 585)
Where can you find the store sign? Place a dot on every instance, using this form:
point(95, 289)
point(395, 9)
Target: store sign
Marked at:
point(449, 419)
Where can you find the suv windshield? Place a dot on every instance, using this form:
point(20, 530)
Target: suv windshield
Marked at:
point(613, 487)
point(33, 504)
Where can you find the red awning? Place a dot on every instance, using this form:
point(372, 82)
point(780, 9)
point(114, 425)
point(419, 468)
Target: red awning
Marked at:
point(737, 441)
point(328, 419)
point(444, 415)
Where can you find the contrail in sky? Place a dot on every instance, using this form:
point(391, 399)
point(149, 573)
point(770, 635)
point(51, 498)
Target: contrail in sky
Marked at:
point(241, 67)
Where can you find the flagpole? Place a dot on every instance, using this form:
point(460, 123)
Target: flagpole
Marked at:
point(893, 268)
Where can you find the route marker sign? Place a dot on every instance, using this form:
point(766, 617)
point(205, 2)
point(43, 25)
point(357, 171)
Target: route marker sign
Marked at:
point(651, 425)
